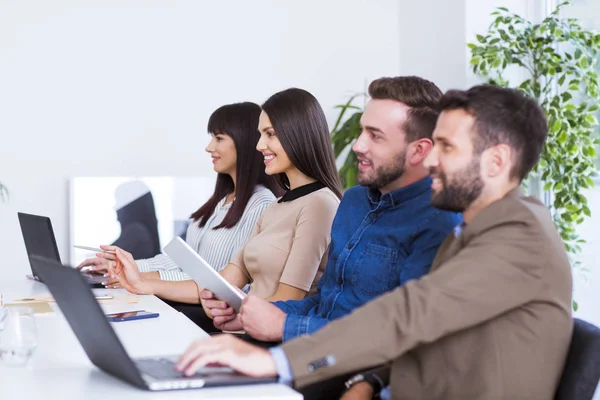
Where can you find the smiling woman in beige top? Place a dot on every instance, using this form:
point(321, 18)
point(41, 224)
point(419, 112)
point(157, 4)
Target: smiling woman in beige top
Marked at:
point(287, 251)
point(289, 243)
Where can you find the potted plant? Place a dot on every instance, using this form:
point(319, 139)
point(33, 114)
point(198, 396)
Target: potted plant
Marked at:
point(343, 136)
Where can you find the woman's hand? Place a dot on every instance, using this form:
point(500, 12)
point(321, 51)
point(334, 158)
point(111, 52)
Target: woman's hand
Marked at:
point(122, 267)
point(223, 316)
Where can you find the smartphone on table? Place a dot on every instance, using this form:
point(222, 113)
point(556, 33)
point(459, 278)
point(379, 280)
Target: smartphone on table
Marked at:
point(131, 315)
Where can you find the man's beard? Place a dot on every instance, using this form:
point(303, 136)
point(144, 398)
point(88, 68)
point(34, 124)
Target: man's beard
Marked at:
point(465, 188)
point(385, 174)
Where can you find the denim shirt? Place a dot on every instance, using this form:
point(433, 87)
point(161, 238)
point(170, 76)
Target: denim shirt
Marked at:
point(378, 242)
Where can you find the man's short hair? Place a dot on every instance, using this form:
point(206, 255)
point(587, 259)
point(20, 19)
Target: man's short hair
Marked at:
point(421, 95)
point(503, 116)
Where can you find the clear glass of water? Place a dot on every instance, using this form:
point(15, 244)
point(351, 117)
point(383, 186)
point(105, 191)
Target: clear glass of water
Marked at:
point(18, 335)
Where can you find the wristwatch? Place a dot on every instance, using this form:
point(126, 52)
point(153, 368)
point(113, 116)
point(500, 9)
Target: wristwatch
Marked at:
point(368, 377)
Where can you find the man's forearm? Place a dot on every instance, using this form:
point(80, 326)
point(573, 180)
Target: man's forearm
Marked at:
point(299, 325)
point(300, 307)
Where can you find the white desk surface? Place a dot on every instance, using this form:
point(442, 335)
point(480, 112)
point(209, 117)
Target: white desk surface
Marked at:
point(60, 369)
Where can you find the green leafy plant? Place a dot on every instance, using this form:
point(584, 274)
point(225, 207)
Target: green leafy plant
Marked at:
point(343, 135)
point(558, 60)
point(3, 192)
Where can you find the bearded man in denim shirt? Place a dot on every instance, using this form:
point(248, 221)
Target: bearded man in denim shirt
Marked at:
point(385, 233)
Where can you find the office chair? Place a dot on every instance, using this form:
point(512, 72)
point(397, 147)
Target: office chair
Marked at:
point(582, 367)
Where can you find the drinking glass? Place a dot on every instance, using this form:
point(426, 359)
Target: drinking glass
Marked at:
point(18, 335)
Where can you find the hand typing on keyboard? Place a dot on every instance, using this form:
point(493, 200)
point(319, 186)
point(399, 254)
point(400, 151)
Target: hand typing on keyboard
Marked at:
point(163, 368)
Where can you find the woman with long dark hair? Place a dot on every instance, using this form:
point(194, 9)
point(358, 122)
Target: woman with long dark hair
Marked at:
point(220, 227)
point(287, 252)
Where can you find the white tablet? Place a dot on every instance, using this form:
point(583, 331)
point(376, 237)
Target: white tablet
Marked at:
point(203, 274)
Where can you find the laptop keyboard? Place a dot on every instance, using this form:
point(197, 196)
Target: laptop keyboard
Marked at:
point(163, 369)
point(160, 368)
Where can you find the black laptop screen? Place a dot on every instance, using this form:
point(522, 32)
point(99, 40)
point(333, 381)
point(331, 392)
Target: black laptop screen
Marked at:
point(39, 237)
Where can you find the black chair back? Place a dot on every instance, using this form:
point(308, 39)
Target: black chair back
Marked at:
point(582, 368)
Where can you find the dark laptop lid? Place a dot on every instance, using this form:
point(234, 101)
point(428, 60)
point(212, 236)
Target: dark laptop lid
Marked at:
point(39, 238)
point(87, 319)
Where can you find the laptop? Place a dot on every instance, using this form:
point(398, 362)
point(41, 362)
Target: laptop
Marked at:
point(203, 274)
point(105, 350)
point(40, 240)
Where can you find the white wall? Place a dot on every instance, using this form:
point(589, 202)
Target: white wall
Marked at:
point(432, 40)
point(125, 87)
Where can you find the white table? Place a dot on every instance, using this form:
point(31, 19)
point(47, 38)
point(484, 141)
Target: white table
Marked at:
point(60, 369)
